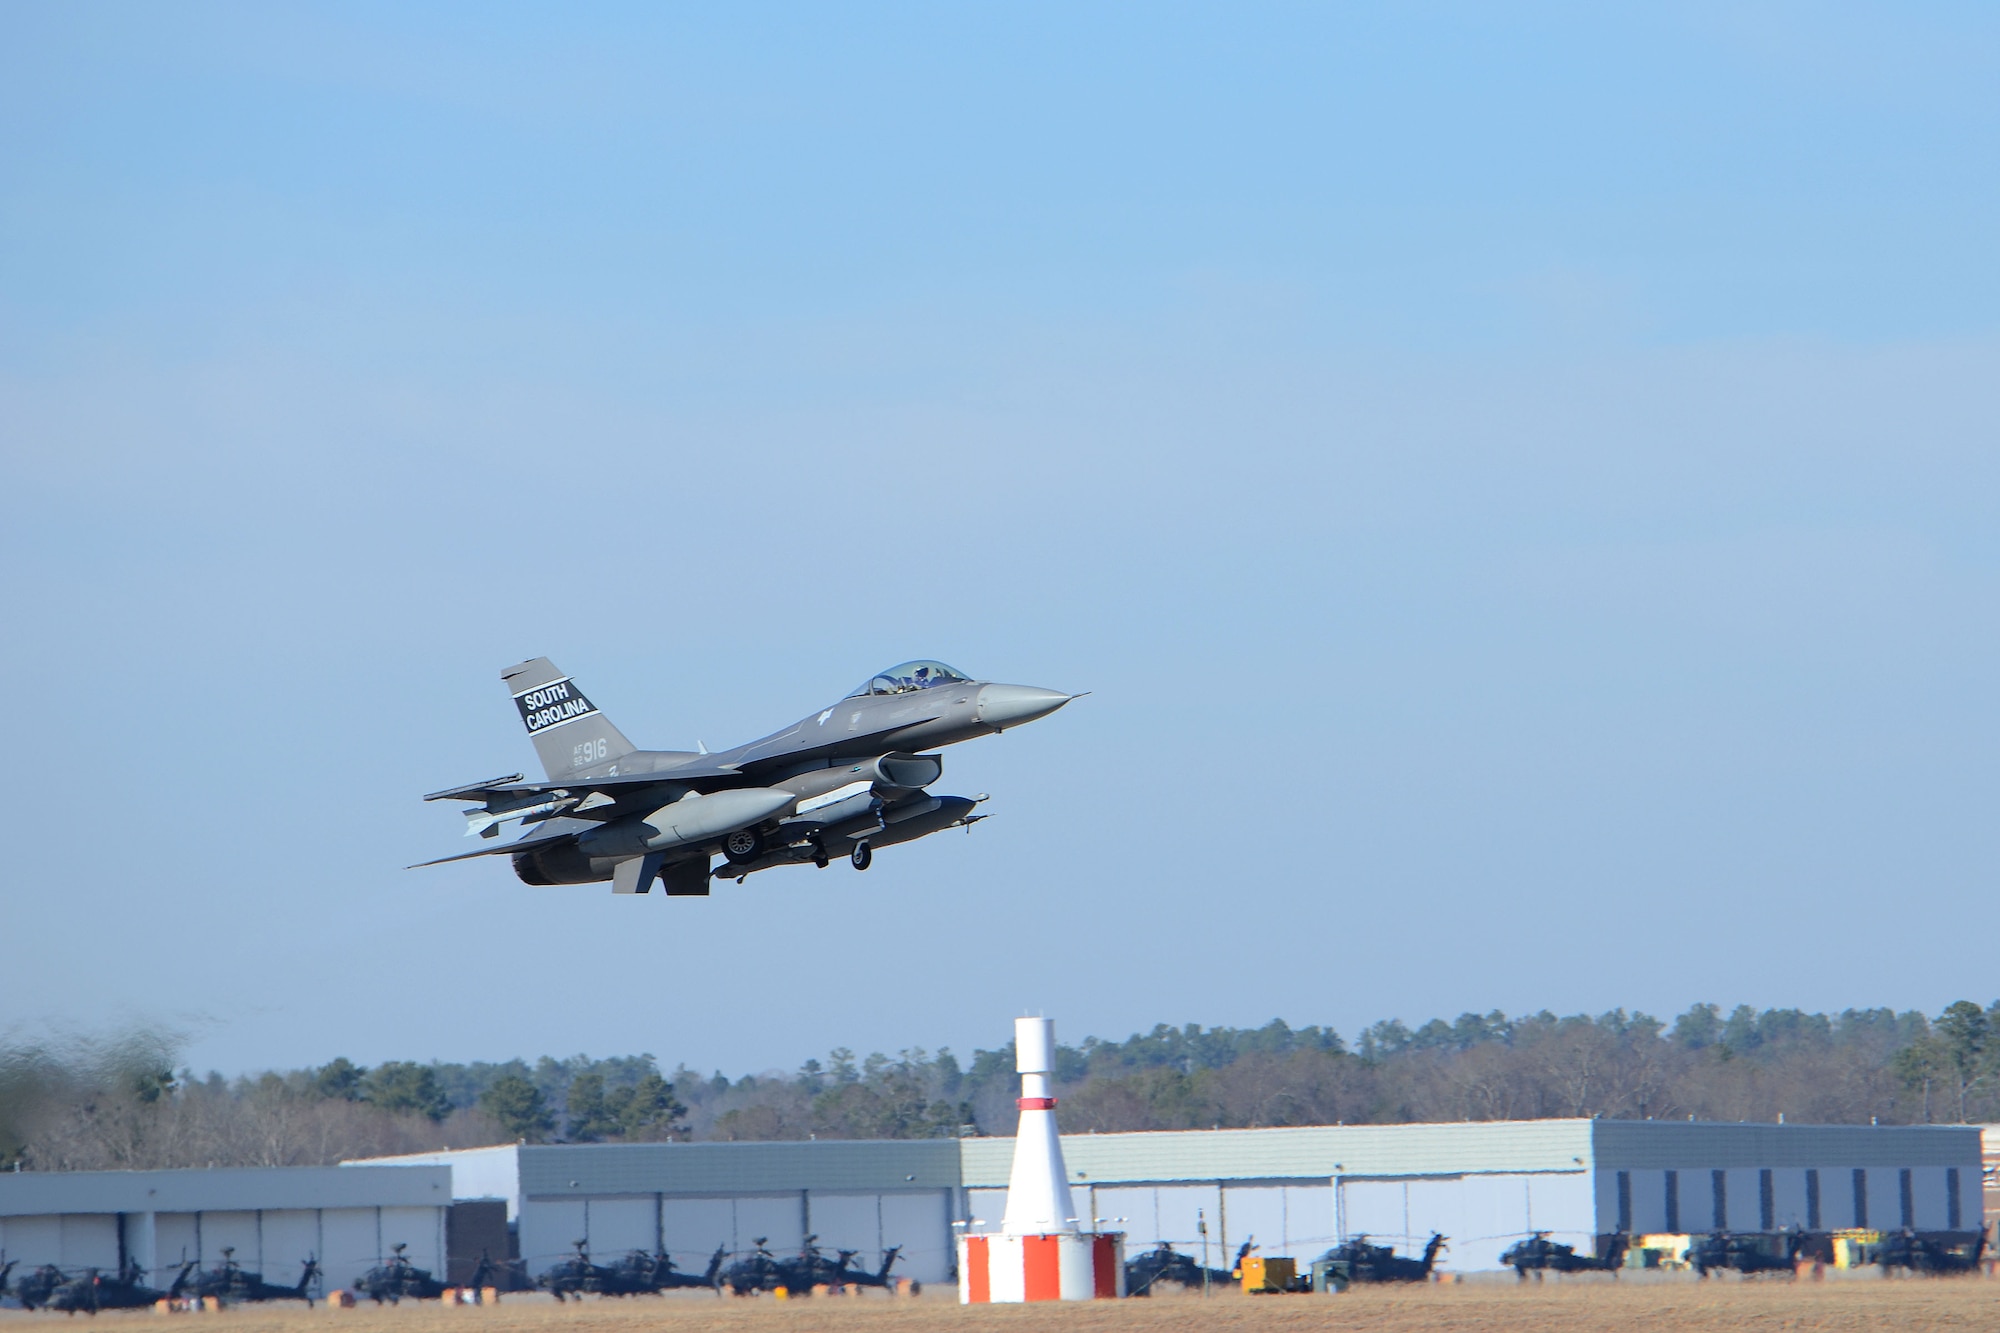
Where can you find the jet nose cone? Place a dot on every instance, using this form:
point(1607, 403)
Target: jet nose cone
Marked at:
point(1011, 705)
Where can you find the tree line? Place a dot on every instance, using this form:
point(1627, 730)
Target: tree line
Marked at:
point(123, 1103)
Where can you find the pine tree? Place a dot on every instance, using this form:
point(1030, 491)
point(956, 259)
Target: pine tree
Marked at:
point(517, 1104)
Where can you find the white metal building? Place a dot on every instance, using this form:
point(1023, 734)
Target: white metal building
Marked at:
point(1486, 1185)
point(689, 1198)
point(1297, 1191)
point(273, 1218)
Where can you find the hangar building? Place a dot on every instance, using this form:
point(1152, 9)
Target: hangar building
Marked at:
point(274, 1218)
point(1296, 1190)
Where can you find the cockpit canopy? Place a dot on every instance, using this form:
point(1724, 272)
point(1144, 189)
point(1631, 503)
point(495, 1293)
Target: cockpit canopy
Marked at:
point(910, 676)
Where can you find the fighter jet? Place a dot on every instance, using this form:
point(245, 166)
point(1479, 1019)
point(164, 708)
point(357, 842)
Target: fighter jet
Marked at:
point(840, 782)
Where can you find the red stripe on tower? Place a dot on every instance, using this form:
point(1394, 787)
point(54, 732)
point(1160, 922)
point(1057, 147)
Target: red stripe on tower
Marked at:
point(1104, 1266)
point(978, 1271)
point(1035, 1103)
point(1041, 1264)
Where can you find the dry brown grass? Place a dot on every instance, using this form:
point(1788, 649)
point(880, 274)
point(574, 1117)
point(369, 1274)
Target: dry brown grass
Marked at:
point(1473, 1307)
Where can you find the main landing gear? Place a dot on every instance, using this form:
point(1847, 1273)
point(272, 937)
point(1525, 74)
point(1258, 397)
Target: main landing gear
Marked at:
point(861, 856)
point(743, 846)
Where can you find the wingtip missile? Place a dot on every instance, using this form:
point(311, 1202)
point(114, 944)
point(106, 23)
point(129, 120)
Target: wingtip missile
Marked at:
point(472, 791)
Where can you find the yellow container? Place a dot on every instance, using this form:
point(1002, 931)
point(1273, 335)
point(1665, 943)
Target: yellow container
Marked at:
point(1855, 1247)
point(1275, 1274)
point(1672, 1248)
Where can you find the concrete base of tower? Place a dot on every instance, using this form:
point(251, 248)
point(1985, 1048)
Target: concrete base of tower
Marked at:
point(1066, 1266)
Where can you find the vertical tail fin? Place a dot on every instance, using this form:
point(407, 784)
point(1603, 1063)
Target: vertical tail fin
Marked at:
point(570, 735)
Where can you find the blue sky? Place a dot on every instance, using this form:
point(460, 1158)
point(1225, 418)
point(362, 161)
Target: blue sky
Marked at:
point(1519, 482)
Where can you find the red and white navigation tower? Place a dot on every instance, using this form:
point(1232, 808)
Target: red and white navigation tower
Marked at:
point(1043, 1251)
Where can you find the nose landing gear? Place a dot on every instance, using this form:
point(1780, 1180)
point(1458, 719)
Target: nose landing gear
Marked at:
point(861, 856)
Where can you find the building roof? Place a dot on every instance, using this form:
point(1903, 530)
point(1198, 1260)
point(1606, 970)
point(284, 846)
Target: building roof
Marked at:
point(1642, 1144)
point(27, 1193)
point(1305, 1153)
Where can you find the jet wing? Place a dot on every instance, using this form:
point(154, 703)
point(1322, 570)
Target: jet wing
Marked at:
point(540, 838)
point(693, 775)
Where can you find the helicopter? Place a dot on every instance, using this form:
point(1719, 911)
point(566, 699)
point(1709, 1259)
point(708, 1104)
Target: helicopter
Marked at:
point(811, 1269)
point(34, 1290)
point(229, 1283)
point(576, 1275)
point(1928, 1254)
point(637, 1274)
point(641, 1272)
point(760, 1270)
point(1357, 1261)
point(851, 1276)
point(1165, 1264)
point(127, 1291)
point(396, 1279)
point(1746, 1254)
point(1540, 1254)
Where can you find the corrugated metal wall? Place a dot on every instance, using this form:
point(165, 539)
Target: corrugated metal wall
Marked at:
point(690, 1228)
point(1283, 1217)
point(1482, 1214)
point(275, 1242)
point(1479, 1215)
point(1825, 1198)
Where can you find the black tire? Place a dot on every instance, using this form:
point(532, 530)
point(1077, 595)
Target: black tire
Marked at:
point(862, 856)
point(743, 846)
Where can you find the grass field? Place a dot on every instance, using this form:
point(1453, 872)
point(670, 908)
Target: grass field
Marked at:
point(1911, 1305)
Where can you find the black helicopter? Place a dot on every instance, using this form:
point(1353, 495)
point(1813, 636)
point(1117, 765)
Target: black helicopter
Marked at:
point(576, 1275)
point(34, 1290)
point(760, 1270)
point(95, 1291)
point(1746, 1254)
point(641, 1273)
point(1165, 1264)
point(656, 1273)
point(850, 1276)
point(637, 1274)
point(1538, 1254)
point(1928, 1254)
point(812, 1269)
point(398, 1278)
point(231, 1284)
point(1357, 1261)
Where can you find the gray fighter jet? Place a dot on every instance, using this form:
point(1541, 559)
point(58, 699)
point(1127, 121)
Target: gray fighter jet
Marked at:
point(840, 782)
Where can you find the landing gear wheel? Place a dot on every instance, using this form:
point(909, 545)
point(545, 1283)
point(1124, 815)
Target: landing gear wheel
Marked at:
point(743, 846)
point(861, 856)
point(819, 854)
